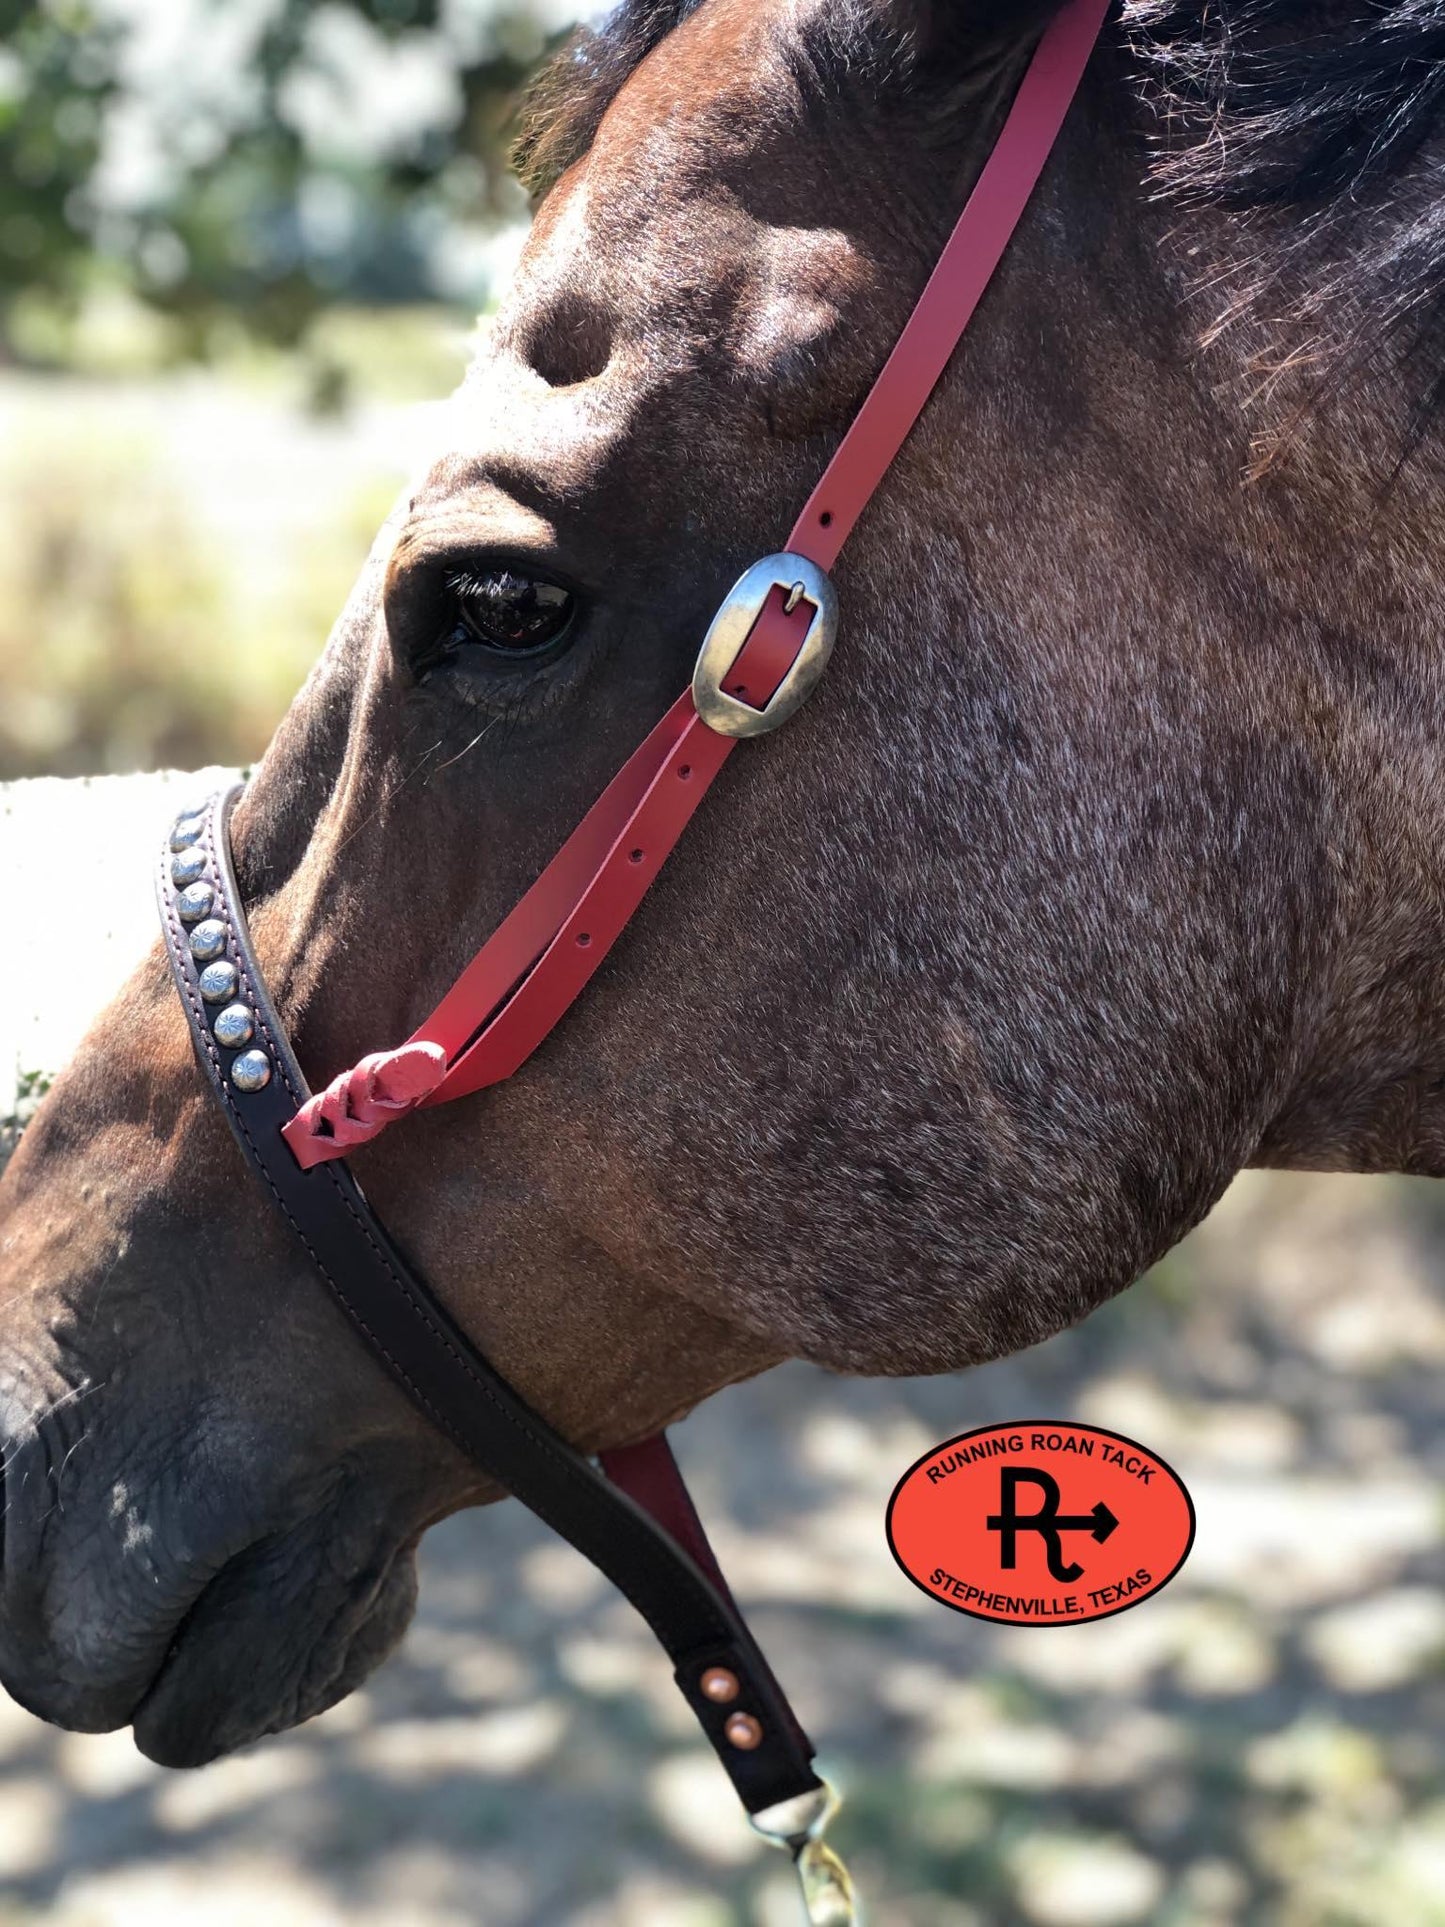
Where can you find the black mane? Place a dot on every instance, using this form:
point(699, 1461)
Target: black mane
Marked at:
point(1297, 104)
point(1318, 124)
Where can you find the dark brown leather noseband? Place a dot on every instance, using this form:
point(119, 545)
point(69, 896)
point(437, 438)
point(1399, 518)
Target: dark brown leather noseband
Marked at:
point(675, 1586)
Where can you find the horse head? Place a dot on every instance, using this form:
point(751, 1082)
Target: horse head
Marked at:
point(1084, 880)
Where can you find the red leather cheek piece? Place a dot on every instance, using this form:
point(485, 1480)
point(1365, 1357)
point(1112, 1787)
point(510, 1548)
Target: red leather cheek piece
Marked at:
point(955, 288)
point(602, 900)
point(545, 951)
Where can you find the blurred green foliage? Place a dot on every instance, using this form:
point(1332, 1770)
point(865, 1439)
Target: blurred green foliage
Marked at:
point(250, 162)
point(306, 196)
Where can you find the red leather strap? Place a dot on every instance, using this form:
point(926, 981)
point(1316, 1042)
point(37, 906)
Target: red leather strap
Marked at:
point(954, 289)
point(649, 1475)
point(597, 879)
point(539, 959)
point(537, 962)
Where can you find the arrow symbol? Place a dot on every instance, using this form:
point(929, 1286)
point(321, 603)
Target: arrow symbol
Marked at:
point(1098, 1524)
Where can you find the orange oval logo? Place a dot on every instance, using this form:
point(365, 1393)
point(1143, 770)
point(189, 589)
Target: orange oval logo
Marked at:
point(1040, 1523)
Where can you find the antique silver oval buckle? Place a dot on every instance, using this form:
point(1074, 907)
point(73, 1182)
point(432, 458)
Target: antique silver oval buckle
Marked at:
point(802, 581)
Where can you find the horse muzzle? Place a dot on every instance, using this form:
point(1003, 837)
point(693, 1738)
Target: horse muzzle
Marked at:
point(159, 1595)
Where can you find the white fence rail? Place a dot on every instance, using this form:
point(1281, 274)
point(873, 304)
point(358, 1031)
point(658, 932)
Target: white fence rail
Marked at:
point(75, 871)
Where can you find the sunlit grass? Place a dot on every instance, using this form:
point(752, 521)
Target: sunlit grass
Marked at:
point(122, 646)
point(177, 546)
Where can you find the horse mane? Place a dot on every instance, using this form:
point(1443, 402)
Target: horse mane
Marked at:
point(1316, 124)
point(1297, 104)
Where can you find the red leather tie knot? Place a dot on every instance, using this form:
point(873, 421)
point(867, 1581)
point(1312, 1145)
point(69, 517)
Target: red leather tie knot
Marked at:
point(361, 1102)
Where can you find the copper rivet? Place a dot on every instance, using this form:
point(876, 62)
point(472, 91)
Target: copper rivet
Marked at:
point(744, 1732)
point(719, 1685)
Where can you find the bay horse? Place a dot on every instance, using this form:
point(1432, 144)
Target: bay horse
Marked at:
point(1103, 864)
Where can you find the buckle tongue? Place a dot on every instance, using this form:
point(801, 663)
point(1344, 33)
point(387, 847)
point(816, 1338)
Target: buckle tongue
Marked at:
point(801, 581)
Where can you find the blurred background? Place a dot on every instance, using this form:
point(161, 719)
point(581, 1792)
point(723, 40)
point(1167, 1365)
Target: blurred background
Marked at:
point(242, 245)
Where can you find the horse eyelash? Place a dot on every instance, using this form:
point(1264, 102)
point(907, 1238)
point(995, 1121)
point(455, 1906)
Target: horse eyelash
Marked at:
point(462, 584)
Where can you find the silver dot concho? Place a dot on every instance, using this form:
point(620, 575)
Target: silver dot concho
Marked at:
point(197, 900)
point(187, 865)
point(219, 981)
point(251, 1071)
point(208, 940)
point(234, 1027)
point(188, 829)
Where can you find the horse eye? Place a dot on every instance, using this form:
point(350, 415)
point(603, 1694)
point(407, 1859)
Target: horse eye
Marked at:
point(512, 615)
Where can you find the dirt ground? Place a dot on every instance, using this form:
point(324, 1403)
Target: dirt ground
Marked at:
point(1263, 1742)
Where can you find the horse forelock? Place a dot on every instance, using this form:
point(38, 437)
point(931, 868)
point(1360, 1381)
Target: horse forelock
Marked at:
point(563, 107)
point(858, 53)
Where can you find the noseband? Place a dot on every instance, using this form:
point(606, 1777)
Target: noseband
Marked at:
point(630, 1513)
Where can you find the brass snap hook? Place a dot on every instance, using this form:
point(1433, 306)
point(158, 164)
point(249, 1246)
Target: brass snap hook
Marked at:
point(798, 1826)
